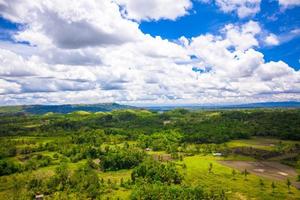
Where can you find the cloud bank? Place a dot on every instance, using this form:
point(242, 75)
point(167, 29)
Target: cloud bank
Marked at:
point(93, 51)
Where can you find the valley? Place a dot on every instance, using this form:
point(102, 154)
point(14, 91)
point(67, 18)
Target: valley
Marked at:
point(141, 154)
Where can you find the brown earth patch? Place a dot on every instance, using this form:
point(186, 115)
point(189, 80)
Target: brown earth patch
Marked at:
point(267, 169)
point(162, 157)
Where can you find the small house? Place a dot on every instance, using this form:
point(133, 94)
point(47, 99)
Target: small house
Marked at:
point(39, 197)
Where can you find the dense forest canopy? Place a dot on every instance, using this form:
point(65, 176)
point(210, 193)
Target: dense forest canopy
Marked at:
point(194, 126)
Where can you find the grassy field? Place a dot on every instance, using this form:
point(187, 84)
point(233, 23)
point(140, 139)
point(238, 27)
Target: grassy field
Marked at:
point(195, 173)
point(238, 188)
point(115, 176)
point(260, 143)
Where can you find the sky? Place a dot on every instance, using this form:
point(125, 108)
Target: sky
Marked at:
point(143, 52)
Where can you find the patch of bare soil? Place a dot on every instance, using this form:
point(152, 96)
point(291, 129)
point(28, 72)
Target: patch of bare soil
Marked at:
point(162, 157)
point(285, 156)
point(267, 169)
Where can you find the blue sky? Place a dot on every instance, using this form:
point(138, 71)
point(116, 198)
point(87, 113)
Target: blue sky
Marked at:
point(207, 18)
point(149, 52)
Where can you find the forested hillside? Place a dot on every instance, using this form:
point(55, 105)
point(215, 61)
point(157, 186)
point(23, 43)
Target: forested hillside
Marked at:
point(194, 126)
point(63, 109)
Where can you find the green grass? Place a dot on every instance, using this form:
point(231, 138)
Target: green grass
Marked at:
point(115, 176)
point(113, 145)
point(34, 139)
point(156, 152)
point(116, 194)
point(6, 182)
point(238, 158)
point(221, 178)
point(196, 172)
point(259, 143)
point(80, 113)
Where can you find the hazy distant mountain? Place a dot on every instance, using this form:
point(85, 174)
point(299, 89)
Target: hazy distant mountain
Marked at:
point(106, 107)
point(288, 104)
point(42, 109)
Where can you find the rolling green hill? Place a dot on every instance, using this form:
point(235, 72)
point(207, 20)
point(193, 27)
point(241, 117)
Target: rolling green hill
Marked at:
point(64, 109)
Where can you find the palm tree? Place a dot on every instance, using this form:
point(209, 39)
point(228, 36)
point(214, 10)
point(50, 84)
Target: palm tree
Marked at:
point(180, 157)
point(245, 172)
point(261, 183)
point(233, 174)
point(210, 168)
point(273, 187)
point(122, 182)
point(288, 183)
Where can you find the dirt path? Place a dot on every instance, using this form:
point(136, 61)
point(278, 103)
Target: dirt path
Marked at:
point(271, 170)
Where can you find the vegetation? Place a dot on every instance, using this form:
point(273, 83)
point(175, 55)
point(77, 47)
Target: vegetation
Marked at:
point(121, 158)
point(140, 154)
point(152, 171)
point(163, 192)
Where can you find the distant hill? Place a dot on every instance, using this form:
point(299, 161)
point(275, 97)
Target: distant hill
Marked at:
point(287, 104)
point(43, 109)
point(107, 107)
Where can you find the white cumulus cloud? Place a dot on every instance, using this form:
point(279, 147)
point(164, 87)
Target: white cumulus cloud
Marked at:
point(88, 52)
point(243, 8)
point(272, 40)
point(155, 9)
point(289, 3)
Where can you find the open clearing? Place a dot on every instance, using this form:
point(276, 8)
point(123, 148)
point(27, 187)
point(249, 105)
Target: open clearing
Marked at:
point(266, 169)
point(221, 177)
point(260, 143)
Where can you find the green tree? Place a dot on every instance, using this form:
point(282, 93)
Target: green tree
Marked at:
point(122, 182)
point(180, 157)
point(62, 174)
point(92, 164)
point(245, 173)
point(289, 183)
point(86, 181)
point(121, 158)
point(210, 167)
point(273, 186)
point(154, 171)
point(233, 174)
point(261, 184)
point(16, 187)
point(126, 145)
point(168, 192)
